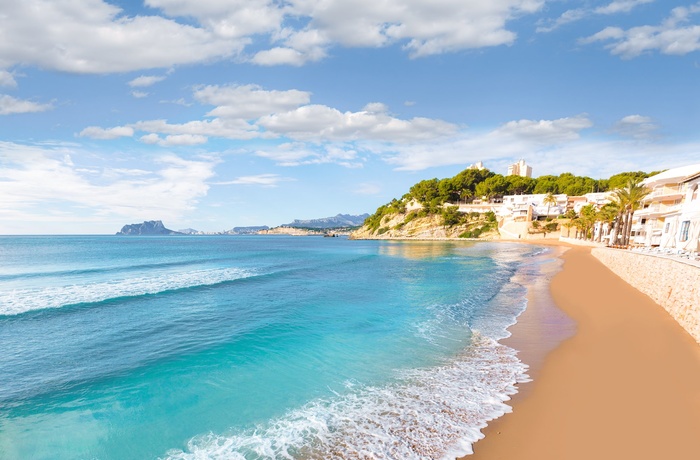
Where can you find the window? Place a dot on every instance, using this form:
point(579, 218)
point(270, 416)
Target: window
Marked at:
point(668, 225)
point(685, 226)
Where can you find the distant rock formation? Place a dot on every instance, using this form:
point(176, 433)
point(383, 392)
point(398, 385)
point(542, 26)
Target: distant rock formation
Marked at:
point(247, 230)
point(339, 221)
point(189, 231)
point(150, 227)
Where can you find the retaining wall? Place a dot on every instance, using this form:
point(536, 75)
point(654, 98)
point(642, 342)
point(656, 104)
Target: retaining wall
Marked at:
point(672, 284)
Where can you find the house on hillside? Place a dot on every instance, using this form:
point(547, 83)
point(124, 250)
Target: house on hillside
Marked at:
point(531, 207)
point(669, 210)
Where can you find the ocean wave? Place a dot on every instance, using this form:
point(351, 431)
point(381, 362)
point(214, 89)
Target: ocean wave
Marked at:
point(430, 413)
point(20, 301)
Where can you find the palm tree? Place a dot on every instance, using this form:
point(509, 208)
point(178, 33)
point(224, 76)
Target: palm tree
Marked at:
point(549, 200)
point(628, 199)
point(588, 216)
point(606, 216)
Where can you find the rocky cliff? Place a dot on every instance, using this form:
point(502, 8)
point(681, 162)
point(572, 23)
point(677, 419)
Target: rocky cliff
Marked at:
point(338, 221)
point(408, 225)
point(150, 227)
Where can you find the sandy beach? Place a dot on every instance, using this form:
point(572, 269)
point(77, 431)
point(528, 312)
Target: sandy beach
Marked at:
point(625, 384)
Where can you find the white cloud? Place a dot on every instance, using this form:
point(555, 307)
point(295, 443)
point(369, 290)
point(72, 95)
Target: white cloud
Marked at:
point(173, 140)
point(95, 132)
point(10, 105)
point(298, 153)
point(674, 36)
point(566, 18)
point(569, 16)
point(636, 126)
point(424, 27)
point(247, 112)
point(7, 79)
point(265, 180)
point(249, 101)
point(545, 131)
point(218, 127)
point(183, 139)
point(621, 6)
point(325, 123)
point(139, 94)
point(231, 19)
point(32, 178)
point(515, 139)
point(280, 56)
point(145, 80)
point(52, 35)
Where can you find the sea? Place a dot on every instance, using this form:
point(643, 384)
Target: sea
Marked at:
point(256, 347)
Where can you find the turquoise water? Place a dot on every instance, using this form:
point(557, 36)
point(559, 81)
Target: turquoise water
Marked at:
point(253, 347)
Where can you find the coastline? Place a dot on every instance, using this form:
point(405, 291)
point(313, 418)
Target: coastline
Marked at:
point(625, 384)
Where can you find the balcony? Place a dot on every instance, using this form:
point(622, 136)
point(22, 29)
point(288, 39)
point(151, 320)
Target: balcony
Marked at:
point(657, 210)
point(666, 193)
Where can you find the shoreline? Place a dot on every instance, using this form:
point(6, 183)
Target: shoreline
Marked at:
point(625, 384)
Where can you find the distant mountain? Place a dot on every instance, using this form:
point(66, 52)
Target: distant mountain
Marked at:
point(247, 230)
point(151, 227)
point(189, 231)
point(339, 221)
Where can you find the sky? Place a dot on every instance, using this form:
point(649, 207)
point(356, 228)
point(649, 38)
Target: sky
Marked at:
point(211, 114)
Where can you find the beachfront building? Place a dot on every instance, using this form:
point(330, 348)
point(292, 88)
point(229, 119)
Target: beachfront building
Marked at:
point(688, 236)
point(669, 210)
point(520, 169)
point(531, 207)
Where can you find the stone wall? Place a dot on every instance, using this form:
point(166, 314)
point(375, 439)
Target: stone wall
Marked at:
point(672, 284)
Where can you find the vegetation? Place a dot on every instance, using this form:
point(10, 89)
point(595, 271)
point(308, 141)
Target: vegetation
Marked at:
point(435, 196)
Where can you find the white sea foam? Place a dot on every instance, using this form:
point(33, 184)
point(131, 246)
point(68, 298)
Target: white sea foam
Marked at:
point(23, 300)
point(430, 413)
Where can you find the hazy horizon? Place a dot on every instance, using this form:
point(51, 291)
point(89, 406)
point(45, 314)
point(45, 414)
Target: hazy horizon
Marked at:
point(219, 114)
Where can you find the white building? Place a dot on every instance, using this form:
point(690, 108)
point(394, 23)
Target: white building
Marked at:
point(688, 236)
point(670, 215)
point(479, 166)
point(519, 169)
point(531, 207)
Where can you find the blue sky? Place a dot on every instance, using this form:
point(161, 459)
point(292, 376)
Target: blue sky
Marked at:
point(219, 113)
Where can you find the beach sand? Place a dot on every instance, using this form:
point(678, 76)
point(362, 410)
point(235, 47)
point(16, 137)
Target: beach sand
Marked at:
point(624, 385)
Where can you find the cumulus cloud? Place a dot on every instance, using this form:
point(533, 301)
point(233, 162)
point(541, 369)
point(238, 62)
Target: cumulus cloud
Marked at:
point(264, 180)
point(674, 36)
point(545, 131)
point(325, 123)
point(32, 177)
point(218, 127)
point(52, 35)
point(424, 28)
point(10, 105)
point(245, 112)
point(145, 80)
point(191, 31)
point(298, 153)
point(7, 79)
point(95, 132)
point(249, 101)
point(636, 126)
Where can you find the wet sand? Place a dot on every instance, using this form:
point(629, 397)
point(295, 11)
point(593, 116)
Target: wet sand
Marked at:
point(624, 385)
